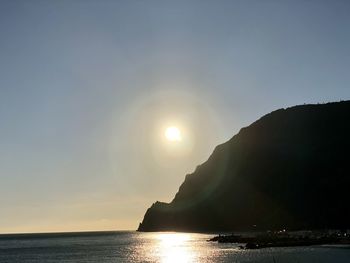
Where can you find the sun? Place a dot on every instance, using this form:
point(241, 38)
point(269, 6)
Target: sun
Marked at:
point(173, 134)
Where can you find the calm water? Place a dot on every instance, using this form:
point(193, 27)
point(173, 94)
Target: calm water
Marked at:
point(150, 247)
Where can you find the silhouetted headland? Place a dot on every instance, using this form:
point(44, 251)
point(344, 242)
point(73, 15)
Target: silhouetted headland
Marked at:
point(288, 170)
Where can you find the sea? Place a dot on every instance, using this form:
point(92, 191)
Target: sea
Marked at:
point(132, 246)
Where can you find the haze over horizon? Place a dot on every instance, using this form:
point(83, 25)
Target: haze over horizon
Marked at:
point(87, 89)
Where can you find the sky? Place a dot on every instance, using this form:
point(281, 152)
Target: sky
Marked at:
point(87, 89)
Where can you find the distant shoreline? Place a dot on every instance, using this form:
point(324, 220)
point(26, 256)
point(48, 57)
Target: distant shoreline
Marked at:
point(88, 232)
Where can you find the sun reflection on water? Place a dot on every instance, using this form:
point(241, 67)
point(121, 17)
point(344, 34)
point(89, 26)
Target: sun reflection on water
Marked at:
point(174, 247)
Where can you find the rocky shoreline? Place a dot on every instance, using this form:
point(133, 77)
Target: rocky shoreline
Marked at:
point(283, 239)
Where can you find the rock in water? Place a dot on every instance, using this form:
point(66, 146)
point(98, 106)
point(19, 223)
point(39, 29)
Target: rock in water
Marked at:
point(290, 169)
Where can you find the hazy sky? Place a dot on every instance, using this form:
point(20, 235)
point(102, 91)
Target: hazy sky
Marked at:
point(88, 87)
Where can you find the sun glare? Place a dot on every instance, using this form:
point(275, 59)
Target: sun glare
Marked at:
point(173, 248)
point(173, 134)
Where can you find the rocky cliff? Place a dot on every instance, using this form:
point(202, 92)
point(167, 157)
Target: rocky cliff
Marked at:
point(290, 169)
